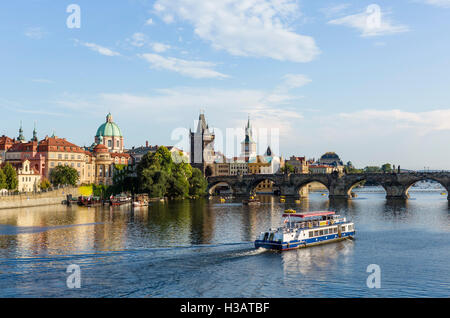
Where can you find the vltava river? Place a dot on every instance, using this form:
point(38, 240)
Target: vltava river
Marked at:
point(205, 249)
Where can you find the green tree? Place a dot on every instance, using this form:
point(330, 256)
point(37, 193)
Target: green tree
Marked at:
point(45, 184)
point(10, 176)
point(64, 175)
point(159, 176)
point(2, 180)
point(386, 167)
point(372, 169)
point(179, 181)
point(197, 184)
point(287, 166)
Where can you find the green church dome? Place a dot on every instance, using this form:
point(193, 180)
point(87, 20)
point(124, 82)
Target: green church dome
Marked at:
point(109, 129)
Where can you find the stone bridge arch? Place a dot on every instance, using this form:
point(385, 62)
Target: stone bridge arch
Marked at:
point(217, 182)
point(443, 181)
point(253, 183)
point(354, 180)
point(301, 186)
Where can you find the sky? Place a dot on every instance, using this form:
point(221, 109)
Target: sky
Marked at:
point(367, 80)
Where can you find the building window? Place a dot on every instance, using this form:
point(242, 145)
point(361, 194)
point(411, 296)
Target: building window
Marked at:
point(109, 143)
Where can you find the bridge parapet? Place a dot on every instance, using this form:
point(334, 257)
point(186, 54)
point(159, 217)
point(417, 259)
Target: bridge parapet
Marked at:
point(340, 186)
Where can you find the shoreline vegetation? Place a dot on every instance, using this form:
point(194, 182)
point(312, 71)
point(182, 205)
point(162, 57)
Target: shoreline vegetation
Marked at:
point(160, 175)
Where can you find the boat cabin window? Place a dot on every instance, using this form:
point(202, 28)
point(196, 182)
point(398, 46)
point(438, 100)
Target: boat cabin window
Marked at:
point(349, 227)
point(325, 231)
point(311, 233)
point(321, 232)
point(335, 230)
point(316, 233)
point(343, 229)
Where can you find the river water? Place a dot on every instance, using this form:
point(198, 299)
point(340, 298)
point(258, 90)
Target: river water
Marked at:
point(204, 248)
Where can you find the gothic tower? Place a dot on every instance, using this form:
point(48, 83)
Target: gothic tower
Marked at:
point(202, 145)
point(248, 146)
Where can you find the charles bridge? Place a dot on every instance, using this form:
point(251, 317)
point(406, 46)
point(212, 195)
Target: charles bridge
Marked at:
point(339, 185)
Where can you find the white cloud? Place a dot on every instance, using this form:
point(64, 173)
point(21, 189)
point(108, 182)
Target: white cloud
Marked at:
point(35, 33)
point(194, 69)
point(138, 39)
point(183, 104)
point(149, 21)
point(372, 22)
point(257, 28)
point(160, 47)
point(334, 9)
point(99, 49)
point(295, 80)
point(439, 3)
point(421, 122)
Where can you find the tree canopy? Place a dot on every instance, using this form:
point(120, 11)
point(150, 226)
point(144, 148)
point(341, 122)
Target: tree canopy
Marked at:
point(2, 180)
point(159, 175)
point(10, 177)
point(64, 175)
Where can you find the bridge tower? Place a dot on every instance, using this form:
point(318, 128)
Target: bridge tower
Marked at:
point(202, 145)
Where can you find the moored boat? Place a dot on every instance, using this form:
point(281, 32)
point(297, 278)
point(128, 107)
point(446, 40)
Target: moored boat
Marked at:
point(119, 200)
point(306, 229)
point(89, 201)
point(251, 201)
point(141, 200)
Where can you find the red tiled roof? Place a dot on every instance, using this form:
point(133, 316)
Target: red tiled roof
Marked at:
point(100, 148)
point(55, 144)
point(123, 155)
point(6, 142)
point(24, 147)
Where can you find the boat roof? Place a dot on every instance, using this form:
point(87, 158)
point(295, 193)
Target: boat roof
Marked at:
point(309, 214)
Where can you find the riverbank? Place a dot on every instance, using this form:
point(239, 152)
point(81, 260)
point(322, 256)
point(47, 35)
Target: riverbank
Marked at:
point(25, 200)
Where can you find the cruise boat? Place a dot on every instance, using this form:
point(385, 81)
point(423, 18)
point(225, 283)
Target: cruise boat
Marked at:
point(306, 229)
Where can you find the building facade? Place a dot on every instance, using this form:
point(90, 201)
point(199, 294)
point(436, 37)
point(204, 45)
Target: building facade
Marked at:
point(29, 179)
point(95, 165)
point(300, 164)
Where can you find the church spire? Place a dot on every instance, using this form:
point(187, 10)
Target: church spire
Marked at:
point(34, 133)
point(21, 137)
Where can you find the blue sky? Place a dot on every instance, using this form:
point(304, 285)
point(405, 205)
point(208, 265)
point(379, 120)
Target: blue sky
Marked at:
point(368, 80)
